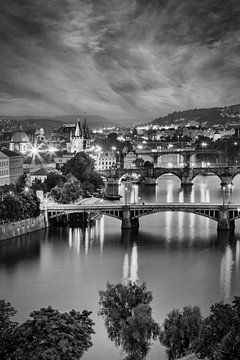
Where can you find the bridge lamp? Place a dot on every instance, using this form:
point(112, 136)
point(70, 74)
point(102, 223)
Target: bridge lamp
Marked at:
point(204, 144)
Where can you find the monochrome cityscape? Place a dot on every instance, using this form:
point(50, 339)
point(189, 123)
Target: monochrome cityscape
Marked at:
point(119, 180)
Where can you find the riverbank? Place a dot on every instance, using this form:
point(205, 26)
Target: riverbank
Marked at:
point(22, 227)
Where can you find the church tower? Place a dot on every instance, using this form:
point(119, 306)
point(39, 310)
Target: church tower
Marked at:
point(77, 140)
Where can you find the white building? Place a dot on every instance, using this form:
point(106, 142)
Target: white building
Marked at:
point(129, 160)
point(104, 160)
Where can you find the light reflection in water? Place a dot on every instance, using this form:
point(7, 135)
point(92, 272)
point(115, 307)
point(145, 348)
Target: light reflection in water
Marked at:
point(134, 264)
point(180, 225)
point(226, 273)
point(125, 268)
point(192, 197)
point(168, 220)
point(130, 271)
point(86, 241)
point(70, 238)
point(237, 255)
point(101, 233)
point(180, 196)
point(169, 192)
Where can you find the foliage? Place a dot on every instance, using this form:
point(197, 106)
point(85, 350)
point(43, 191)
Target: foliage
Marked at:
point(16, 207)
point(50, 334)
point(219, 337)
point(6, 328)
point(128, 318)
point(180, 331)
point(82, 167)
point(37, 184)
point(21, 183)
point(54, 178)
point(69, 192)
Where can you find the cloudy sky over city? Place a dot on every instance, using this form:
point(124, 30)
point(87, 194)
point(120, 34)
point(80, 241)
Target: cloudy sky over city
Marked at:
point(135, 59)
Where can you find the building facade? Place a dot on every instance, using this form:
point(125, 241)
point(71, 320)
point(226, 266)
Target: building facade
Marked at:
point(104, 160)
point(11, 166)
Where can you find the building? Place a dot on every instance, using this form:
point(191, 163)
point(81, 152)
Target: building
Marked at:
point(80, 141)
point(20, 142)
point(129, 160)
point(40, 174)
point(4, 169)
point(11, 166)
point(104, 160)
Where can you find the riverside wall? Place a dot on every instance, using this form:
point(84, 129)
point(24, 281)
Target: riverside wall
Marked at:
point(21, 227)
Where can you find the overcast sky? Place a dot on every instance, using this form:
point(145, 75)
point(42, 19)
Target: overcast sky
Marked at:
point(135, 59)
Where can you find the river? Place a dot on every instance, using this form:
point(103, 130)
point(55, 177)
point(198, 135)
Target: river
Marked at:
point(180, 257)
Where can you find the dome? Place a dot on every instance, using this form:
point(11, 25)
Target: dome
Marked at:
point(19, 137)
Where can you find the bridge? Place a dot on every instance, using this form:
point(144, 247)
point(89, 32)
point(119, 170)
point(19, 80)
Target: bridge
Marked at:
point(225, 214)
point(186, 153)
point(186, 174)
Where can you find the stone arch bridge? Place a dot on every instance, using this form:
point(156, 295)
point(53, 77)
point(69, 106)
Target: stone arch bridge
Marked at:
point(186, 174)
point(224, 215)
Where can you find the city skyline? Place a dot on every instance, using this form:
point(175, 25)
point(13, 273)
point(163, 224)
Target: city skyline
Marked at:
point(118, 59)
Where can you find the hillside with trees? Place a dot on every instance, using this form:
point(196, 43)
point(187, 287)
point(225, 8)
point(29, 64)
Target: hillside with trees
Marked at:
point(206, 117)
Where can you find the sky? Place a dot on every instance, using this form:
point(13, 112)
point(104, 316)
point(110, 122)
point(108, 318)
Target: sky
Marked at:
point(122, 59)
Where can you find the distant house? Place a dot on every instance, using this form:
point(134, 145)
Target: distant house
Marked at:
point(40, 174)
point(129, 160)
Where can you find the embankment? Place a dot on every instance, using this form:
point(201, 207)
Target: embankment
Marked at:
point(13, 229)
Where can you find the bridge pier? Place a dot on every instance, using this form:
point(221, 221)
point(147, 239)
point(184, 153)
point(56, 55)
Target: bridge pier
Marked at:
point(224, 223)
point(127, 221)
point(186, 181)
point(226, 181)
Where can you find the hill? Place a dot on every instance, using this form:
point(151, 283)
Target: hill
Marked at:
point(14, 123)
point(93, 121)
point(206, 117)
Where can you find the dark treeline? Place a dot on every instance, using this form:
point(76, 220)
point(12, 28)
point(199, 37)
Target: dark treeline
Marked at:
point(49, 334)
point(15, 207)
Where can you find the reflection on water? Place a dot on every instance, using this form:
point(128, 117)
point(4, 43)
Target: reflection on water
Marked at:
point(226, 272)
point(180, 256)
point(130, 264)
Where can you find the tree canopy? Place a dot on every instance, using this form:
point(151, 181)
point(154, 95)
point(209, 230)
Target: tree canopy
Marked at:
point(128, 318)
point(82, 167)
point(47, 335)
point(219, 337)
point(180, 331)
point(69, 192)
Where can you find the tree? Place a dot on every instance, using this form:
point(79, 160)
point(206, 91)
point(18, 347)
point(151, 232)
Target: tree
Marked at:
point(54, 178)
point(180, 331)
point(21, 183)
point(6, 328)
point(219, 337)
point(128, 318)
point(50, 335)
point(82, 167)
point(69, 192)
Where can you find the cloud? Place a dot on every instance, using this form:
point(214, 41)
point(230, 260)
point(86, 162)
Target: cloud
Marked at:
point(119, 59)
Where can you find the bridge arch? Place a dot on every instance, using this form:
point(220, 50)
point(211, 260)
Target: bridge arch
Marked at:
point(213, 215)
point(171, 158)
point(168, 172)
point(210, 173)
